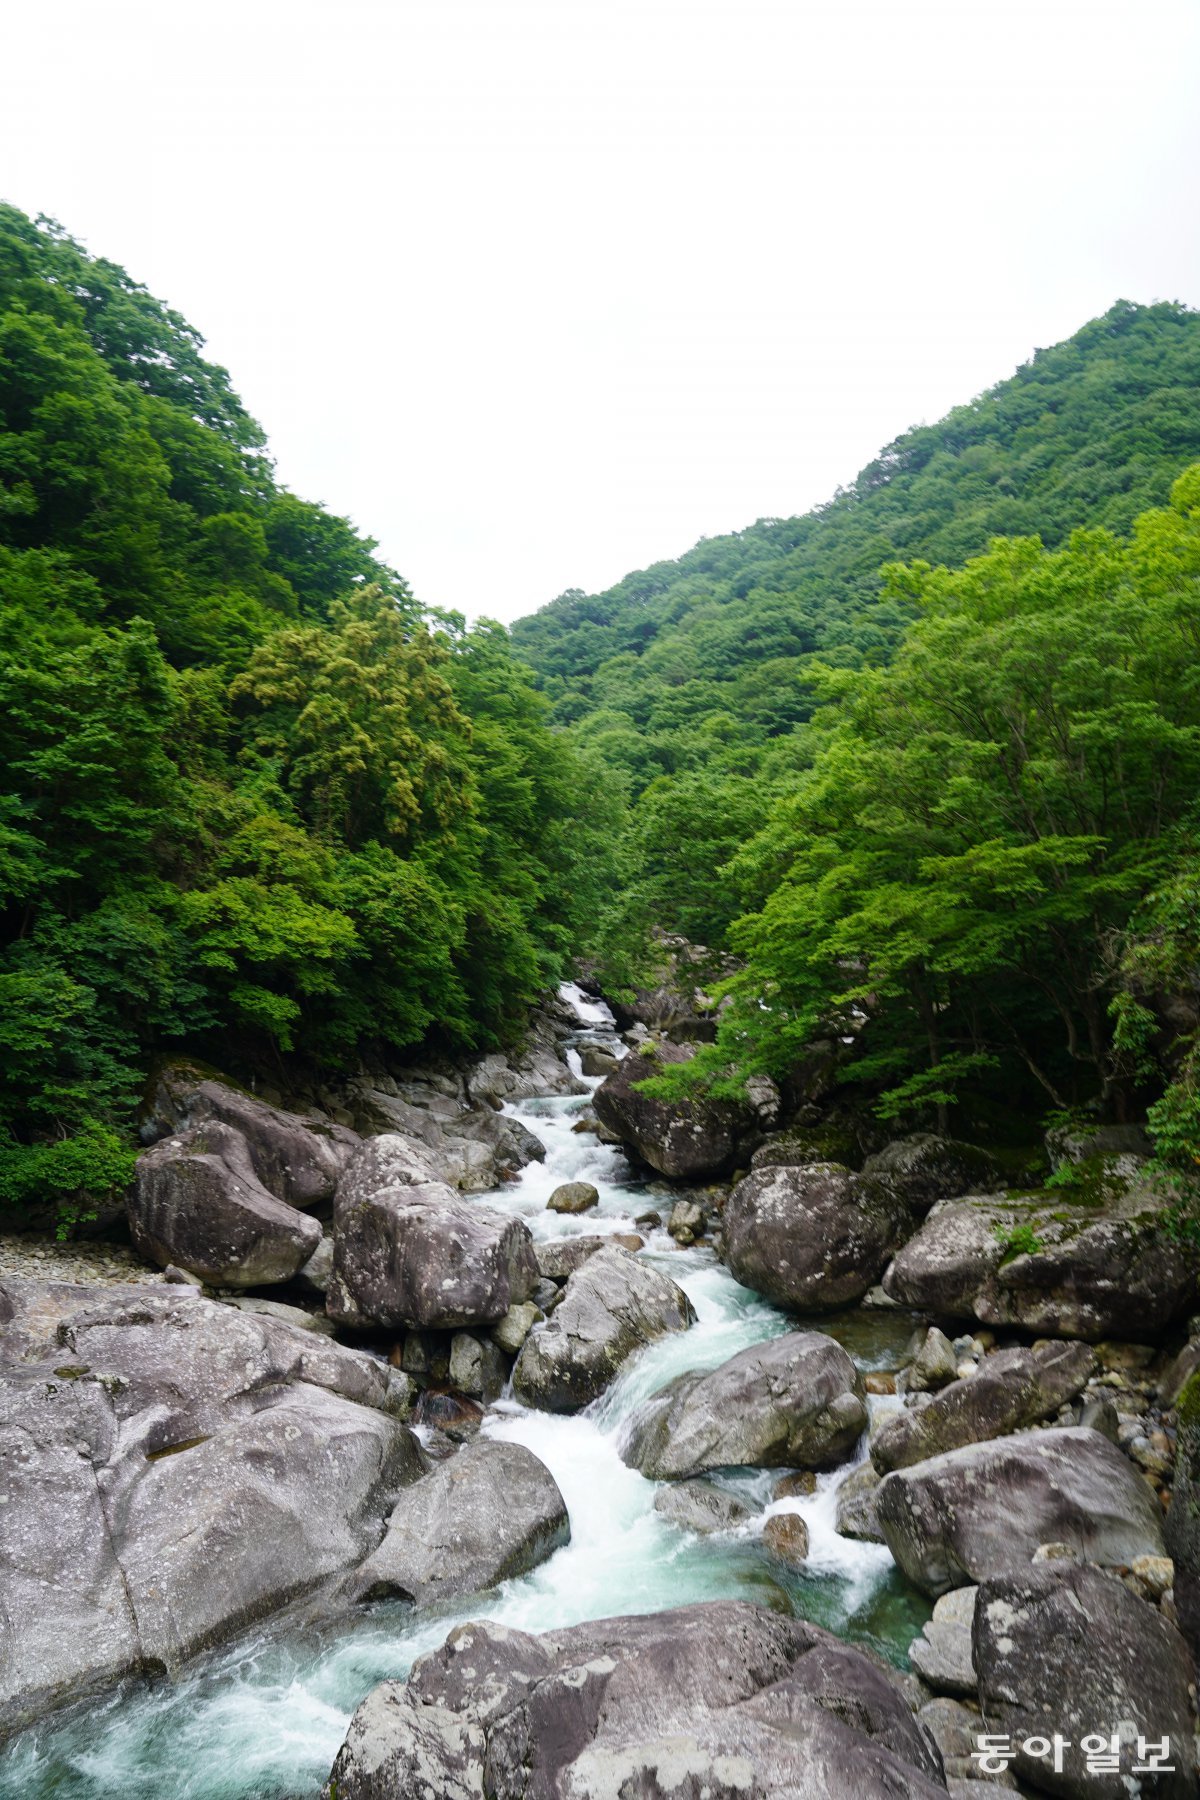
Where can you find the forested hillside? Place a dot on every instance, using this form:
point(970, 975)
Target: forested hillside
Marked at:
point(255, 801)
point(962, 803)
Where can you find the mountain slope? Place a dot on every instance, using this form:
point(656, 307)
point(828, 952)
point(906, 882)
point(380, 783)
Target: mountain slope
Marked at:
point(676, 661)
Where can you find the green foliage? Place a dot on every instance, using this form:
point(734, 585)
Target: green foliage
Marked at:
point(73, 1175)
point(1157, 1008)
point(947, 881)
point(255, 802)
point(1017, 1240)
point(709, 668)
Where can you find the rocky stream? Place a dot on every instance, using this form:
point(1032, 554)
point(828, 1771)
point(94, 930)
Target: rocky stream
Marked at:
point(549, 1503)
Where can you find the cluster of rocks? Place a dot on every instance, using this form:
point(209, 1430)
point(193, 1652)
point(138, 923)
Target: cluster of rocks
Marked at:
point(212, 1453)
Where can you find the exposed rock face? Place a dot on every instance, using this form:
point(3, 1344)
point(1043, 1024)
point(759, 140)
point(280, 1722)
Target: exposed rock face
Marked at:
point(725, 1700)
point(296, 1159)
point(573, 1197)
point(942, 1656)
point(934, 1366)
point(534, 1069)
point(558, 1258)
point(198, 1202)
point(410, 1253)
point(1108, 1269)
point(978, 1512)
point(699, 1506)
point(795, 1401)
point(926, 1168)
point(472, 1147)
point(1068, 1649)
point(857, 1513)
point(684, 1139)
point(812, 1238)
point(491, 1512)
point(1012, 1389)
point(174, 1469)
point(613, 1305)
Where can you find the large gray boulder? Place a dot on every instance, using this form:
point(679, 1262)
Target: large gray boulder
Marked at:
point(926, 1168)
point(1060, 1648)
point(970, 1514)
point(409, 1253)
point(298, 1159)
point(174, 1469)
point(197, 1202)
point(792, 1402)
point(1107, 1265)
point(686, 1140)
point(725, 1700)
point(492, 1511)
point(614, 1304)
point(1010, 1390)
point(812, 1238)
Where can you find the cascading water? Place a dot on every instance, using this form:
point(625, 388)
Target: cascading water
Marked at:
point(263, 1719)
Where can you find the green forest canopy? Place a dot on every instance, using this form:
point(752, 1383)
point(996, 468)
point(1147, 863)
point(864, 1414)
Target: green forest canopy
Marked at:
point(961, 801)
point(256, 802)
point(929, 753)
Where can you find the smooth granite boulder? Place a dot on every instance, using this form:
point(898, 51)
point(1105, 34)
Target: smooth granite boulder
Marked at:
point(614, 1304)
point(1066, 1649)
point(1108, 1265)
point(296, 1158)
point(410, 1253)
point(490, 1512)
point(791, 1402)
point(926, 1168)
point(725, 1701)
point(974, 1513)
point(1010, 1390)
point(812, 1238)
point(197, 1202)
point(174, 1469)
point(687, 1140)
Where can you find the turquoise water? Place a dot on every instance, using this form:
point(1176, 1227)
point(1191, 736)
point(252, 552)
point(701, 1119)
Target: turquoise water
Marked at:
point(263, 1718)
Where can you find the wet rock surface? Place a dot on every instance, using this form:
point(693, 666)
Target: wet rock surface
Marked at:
point(813, 1238)
point(724, 1700)
point(970, 1514)
point(700, 1507)
point(792, 1401)
point(490, 1512)
point(613, 1306)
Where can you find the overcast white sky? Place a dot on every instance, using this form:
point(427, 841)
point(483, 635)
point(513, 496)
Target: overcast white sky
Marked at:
point(538, 291)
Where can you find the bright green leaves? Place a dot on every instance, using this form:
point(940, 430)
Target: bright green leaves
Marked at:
point(251, 801)
point(981, 820)
point(360, 722)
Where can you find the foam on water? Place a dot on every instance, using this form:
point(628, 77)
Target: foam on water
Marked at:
point(263, 1719)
